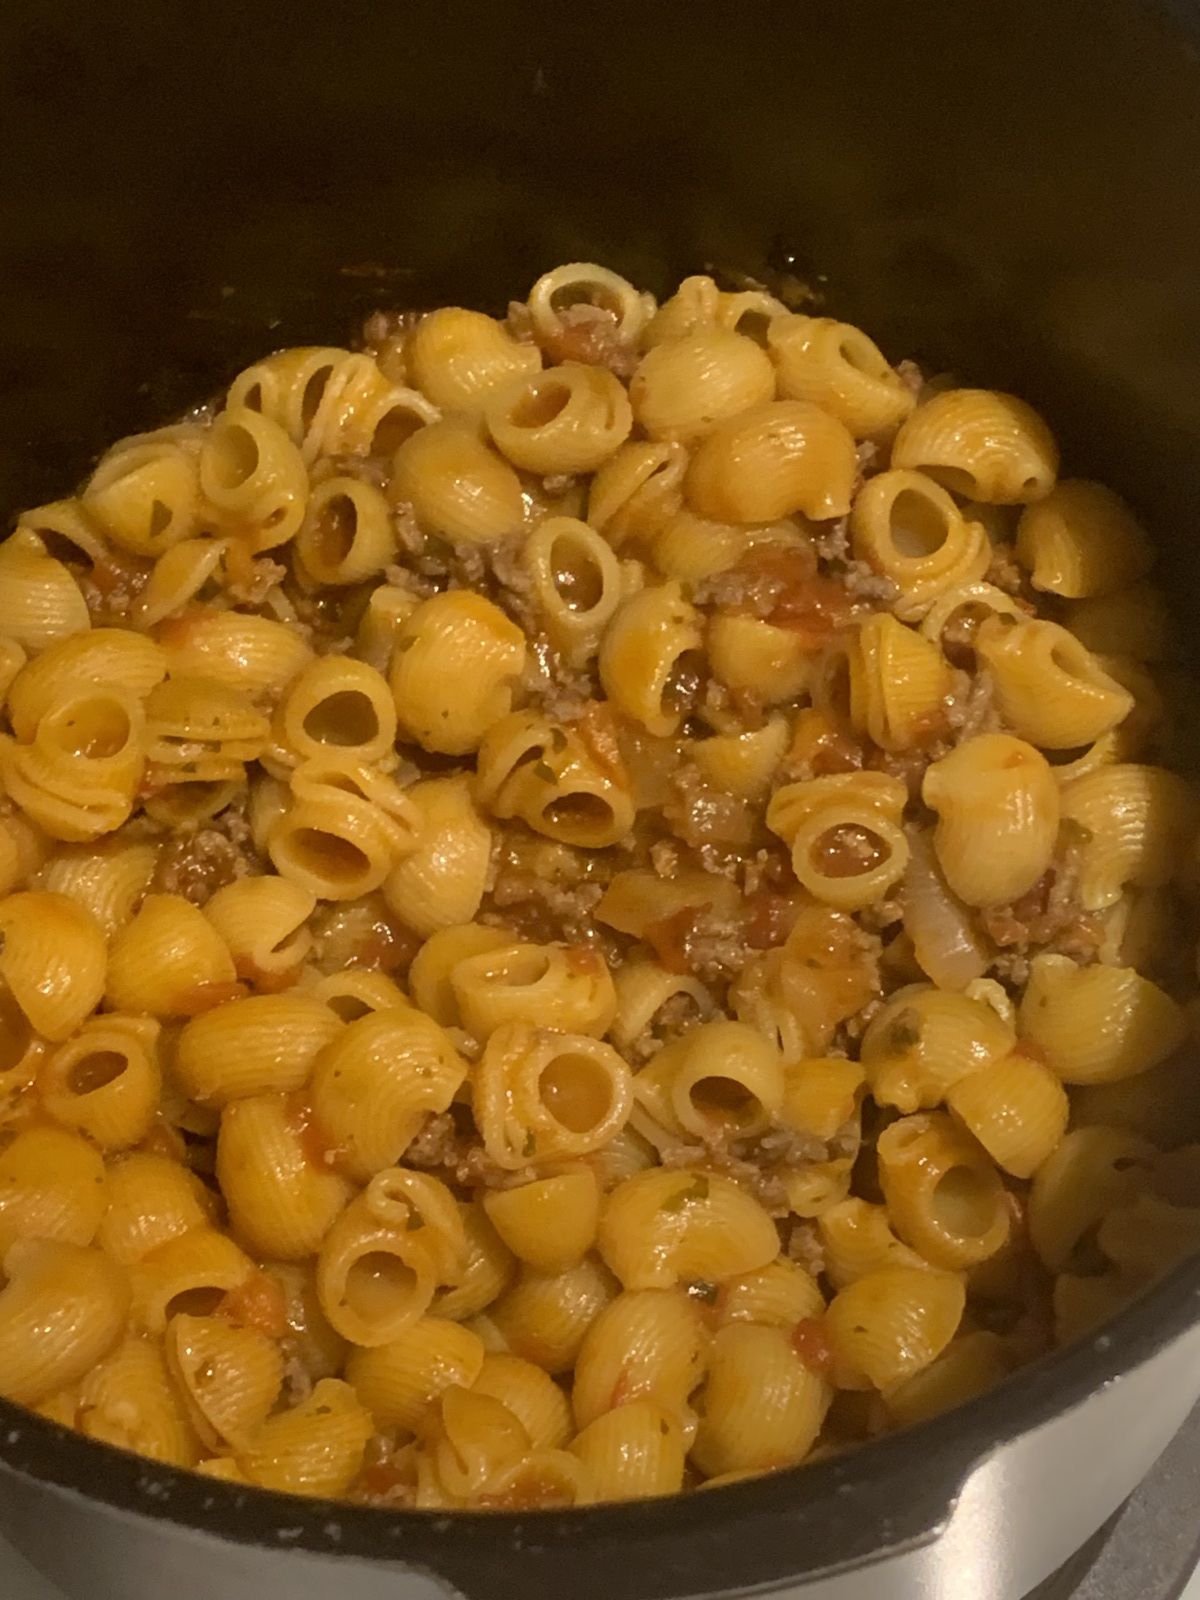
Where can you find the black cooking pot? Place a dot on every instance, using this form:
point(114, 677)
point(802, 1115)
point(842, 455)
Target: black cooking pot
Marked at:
point(1007, 190)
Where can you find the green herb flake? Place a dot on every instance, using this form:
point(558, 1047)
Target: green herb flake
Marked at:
point(696, 1190)
point(415, 1221)
point(904, 1032)
point(544, 771)
point(558, 740)
point(1072, 833)
point(704, 1291)
point(530, 1144)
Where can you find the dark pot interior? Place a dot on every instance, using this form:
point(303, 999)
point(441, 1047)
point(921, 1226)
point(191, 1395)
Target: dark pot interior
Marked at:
point(1005, 189)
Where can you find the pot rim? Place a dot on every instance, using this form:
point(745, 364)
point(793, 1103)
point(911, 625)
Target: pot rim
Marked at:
point(799, 1523)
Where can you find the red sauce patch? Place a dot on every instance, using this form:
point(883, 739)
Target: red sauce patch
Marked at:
point(811, 1344)
point(259, 1303)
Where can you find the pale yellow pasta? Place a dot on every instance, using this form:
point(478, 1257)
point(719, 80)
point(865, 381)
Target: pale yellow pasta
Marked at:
point(147, 1201)
point(857, 1239)
point(968, 604)
point(145, 497)
point(452, 670)
point(109, 878)
point(943, 1195)
point(52, 959)
point(532, 1396)
point(66, 532)
point(429, 977)
point(779, 1295)
point(924, 1040)
point(12, 659)
point(847, 846)
point(899, 683)
point(229, 1377)
point(1092, 1171)
point(488, 1268)
point(459, 358)
point(564, 785)
point(646, 1344)
point(320, 1352)
point(315, 1449)
point(331, 402)
point(103, 657)
point(632, 1452)
point(236, 649)
point(719, 1079)
point(1097, 1024)
point(282, 1196)
point(50, 783)
point(51, 1187)
point(684, 387)
point(386, 611)
point(476, 1441)
point(40, 601)
point(191, 1271)
point(587, 284)
point(636, 899)
point(666, 1227)
point(337, 702)
point(347, 534)
point(1082, 540)
point(23, 849)
point(1081, 1303)
point(1136, 823)
point(357, 991)
point(262, 921)
point(773, 460)
point(1016, 1108)
point(440, 882)
point(254, 478)
point(182, 574)
point(346, 828)
point(540, 1094)
point(62, 1309)
point(1049, 687)
point(552, 986)
point(890, 1324)
point(106, 1081)
point(998, 811)
point(549, 1224)
point(970, 1365)
point(643, 989)
point(637, 491)
point(199, 731)
point(909, 529)
point(385, 1255)
point(837, 367)
point(979, 443)
point(375, 1084)
point(401, 1381)
point(457, 485)
point(128, 1400)
point(827, 972)
point(570, 418)
point(576, 584)
point(763, 1407)
point(168, 960)
point(821, 1095)
point(645, 650)
point(545, 1316)
point(749, 654)
point(265, 1044)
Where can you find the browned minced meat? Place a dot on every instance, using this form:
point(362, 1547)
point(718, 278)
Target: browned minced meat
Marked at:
point(1049, 916)
point(1004, 571)
point(804, 1246)
point(971, 708)
point(674, 1017)
point(700, 813)
point(110, 587)
point(385, 336)
point(761, 1165)
point(592, 335)
point(446, 1145)
point(548, 892)
point(702, 942)
point(195, 865)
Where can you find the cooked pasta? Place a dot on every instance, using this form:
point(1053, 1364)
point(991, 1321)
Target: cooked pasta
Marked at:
point(592, 902)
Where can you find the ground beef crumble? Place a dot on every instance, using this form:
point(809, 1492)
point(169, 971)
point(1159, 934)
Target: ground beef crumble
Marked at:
point(197, 864)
